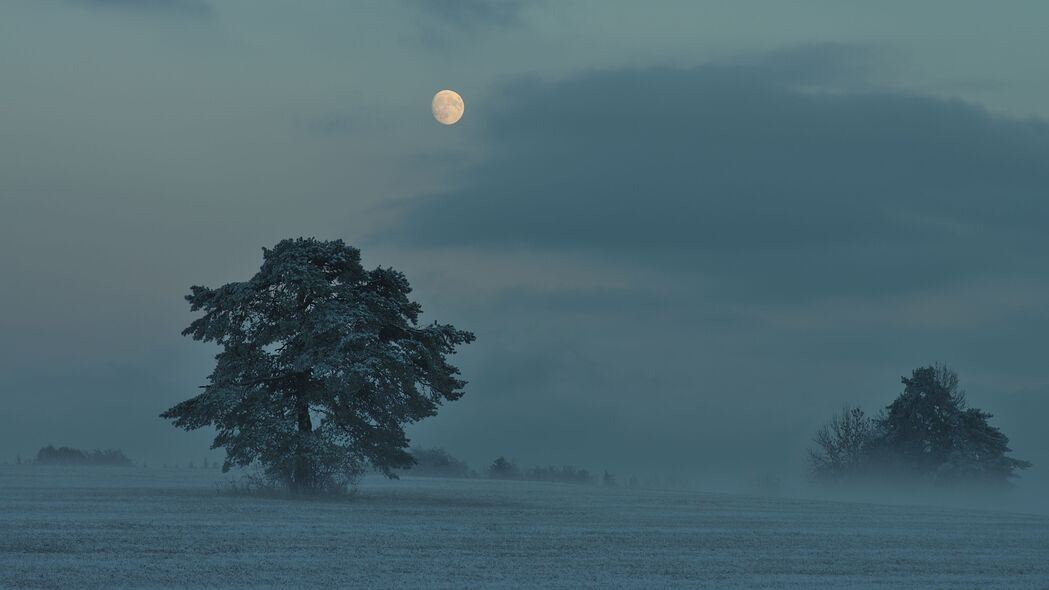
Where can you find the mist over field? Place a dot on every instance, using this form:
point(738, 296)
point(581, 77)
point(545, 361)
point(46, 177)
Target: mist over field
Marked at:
point(148, 530)
point(672, 294)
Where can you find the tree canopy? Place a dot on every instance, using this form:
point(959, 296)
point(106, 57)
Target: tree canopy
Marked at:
point(322, 363)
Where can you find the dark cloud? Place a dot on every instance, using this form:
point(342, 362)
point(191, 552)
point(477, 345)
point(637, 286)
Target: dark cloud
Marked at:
point(180, 8)
point(734, 173)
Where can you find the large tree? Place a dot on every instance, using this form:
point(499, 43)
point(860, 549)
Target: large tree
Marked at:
point(930, 430)
point(322, 363)
point(921, 426)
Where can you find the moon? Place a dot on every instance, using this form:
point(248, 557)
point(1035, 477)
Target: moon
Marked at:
point(448, 107)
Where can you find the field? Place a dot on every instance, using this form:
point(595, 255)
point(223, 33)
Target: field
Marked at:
point(147, 528)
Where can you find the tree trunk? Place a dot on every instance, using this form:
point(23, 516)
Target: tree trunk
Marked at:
point(302, 478)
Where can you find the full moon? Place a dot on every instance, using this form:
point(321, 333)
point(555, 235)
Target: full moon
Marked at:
point(448, 107)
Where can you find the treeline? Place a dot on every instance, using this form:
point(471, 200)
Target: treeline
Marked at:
point(437, 462)
point(50, 455)
point(501, 468)
point(928, 435)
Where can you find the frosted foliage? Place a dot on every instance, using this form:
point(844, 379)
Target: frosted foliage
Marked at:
point(322, 364)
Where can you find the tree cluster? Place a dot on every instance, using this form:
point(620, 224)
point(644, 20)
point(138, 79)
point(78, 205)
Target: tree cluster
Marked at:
point(927, 434)
point(50, 455)
point(502, 468)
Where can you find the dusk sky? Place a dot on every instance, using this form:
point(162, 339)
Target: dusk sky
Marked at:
point(684, 233)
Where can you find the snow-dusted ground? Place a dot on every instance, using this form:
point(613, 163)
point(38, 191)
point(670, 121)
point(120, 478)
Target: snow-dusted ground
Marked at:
point(122, 528)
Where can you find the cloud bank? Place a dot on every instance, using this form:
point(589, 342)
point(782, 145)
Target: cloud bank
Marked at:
point(739, 175)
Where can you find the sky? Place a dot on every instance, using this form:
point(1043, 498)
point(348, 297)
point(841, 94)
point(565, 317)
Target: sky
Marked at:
point(684, 233)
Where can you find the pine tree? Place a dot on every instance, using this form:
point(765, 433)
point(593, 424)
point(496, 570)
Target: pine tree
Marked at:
point(980, 452)
point(322, 363)
point(922, 425)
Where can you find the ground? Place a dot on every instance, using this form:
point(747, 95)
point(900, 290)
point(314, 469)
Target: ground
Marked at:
point(146, 528)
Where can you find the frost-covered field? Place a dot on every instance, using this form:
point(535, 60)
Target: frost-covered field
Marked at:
point(122, 528)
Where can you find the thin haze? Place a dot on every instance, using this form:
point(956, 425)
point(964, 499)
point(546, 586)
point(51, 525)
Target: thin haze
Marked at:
point(683, 233)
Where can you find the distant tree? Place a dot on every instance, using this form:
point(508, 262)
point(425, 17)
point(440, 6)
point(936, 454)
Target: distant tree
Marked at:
point(609, 480)
point(503, 469)
point(18, 459)
point(565, 474)
point(322, 365)
point(112, 457)
point(437, 463)
point(50, 455)
point(922, 425)
point(842, 445)
point(929, 430)
point(577, 475)
point(927, 433)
